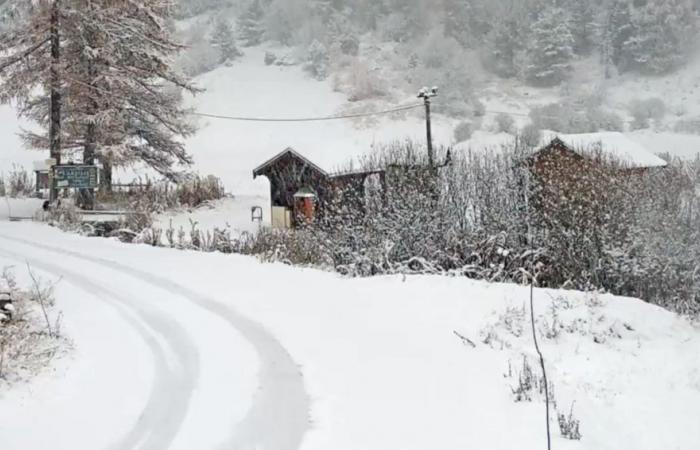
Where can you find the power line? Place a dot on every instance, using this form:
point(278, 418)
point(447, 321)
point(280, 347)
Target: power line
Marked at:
point(308, 119)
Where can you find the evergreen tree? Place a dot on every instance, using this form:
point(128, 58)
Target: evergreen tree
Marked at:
point(551, 49)
point(617, 29)
point(583, 25)
point(224, 40)
point(504, 42)
point(663, 32)
point(250, 24)
point(458, 14)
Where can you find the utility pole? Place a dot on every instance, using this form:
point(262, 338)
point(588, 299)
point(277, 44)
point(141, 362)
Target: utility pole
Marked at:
point(427, 94)
point(55, 100)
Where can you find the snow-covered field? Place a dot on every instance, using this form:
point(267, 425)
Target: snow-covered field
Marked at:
point(187, 350)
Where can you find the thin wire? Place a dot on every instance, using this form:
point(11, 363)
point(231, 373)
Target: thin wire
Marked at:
point(275, 119)
point(539, 353)
point(308, 119)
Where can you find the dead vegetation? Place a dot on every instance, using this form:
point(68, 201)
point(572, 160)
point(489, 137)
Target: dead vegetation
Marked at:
point(30, 338)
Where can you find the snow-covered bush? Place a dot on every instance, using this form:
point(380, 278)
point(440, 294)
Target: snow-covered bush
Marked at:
point(505, 123)
point(350, 45)
point(463, 131)
point(19, 183)
point(317, 60)
point(364, 83)
point(688, 126)
point(569, 426)
point(31, 338)
point(646, 111)
point(270, 58)
point(530, 135)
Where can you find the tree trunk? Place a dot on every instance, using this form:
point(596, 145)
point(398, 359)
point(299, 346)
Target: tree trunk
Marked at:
point(55, 86)
point(106, 179)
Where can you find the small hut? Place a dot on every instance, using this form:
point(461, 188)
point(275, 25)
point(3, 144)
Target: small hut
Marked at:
point(301, 191)
point(290, 174)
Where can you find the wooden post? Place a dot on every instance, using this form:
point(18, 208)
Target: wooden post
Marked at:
point(427, 94)
point(429, 133)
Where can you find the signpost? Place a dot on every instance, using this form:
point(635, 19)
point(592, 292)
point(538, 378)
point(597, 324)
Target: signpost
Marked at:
point(76, 176)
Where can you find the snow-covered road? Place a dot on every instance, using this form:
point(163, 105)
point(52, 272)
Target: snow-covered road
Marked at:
point(205, 359)
point(189, 350)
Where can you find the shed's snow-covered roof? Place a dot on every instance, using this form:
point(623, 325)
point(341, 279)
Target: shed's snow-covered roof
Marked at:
point(287, 151)
point(611, 144)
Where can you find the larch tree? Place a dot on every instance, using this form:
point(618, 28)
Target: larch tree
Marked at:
point(32, 62)
point(120, 96)
point(123, 93)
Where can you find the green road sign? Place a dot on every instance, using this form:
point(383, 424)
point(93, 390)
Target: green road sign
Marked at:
point(76, 177)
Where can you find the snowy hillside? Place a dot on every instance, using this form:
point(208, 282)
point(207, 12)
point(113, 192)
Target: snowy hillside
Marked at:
point(378, 358)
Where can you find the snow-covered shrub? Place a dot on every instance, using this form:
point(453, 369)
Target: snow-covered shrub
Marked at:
point(463, 131)
point(688, 126)
point(505, 123)
point(646, 111)
point(19, 183)
point(198, 190)
point(270, 58)
point(3, 191)
point(31, 338)
point(530, 135)
point(317, 60)
point(530, 383)
point(604, 120)
point(364, 83)
point(350, 45)
point(573, 117)
point(569, 426)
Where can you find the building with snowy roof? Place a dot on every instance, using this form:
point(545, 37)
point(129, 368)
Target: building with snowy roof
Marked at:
point(611, 148)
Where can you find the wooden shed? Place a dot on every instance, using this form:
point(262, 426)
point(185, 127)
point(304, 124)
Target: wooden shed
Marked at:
point(301, 191)
point(580, 171)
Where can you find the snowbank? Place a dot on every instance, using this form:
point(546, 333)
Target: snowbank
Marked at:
point(22, 208)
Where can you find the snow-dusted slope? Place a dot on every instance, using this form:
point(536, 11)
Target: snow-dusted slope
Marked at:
point(232, 149)
point(379, 357)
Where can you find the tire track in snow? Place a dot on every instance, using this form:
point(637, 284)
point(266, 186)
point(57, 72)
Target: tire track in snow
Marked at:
point(164, 412)
point(279, 417)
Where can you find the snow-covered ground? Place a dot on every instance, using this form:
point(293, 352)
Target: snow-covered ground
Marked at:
point(20, 208)
point(168, 345)
point(231, 213)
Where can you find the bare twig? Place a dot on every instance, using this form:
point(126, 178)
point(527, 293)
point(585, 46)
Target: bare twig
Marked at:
point(465, 340)
point(41, 295)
